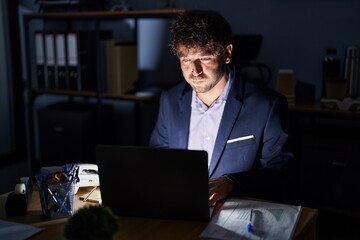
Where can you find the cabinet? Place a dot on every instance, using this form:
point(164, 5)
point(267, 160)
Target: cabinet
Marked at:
point(326, 147)
point(99, 23)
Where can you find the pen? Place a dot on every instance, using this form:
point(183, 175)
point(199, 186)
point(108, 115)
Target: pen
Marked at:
point(58, 201)
point(249, 225)
point(66, 166)
point(87, 196)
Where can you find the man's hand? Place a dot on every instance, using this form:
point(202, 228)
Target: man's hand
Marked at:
point(219, 188)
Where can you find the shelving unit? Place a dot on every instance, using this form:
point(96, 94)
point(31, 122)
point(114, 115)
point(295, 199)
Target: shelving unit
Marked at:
point(68, 19)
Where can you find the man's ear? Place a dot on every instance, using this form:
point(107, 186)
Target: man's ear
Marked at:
point(228, 52)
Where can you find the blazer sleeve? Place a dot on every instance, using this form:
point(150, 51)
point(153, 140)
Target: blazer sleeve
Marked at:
point(272, 177)
point(159, 136)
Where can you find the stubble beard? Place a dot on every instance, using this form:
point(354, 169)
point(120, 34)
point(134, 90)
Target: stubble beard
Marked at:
point(206, 84)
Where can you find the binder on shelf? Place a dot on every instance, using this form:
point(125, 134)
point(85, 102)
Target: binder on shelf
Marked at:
point(121, 66)
point(50, 80)
point(87, 60)
point(40, 60)
point(73, 62)
point(61, 71)
point(81, 52)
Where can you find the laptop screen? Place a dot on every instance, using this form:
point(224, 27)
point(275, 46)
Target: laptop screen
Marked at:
point(154, 182)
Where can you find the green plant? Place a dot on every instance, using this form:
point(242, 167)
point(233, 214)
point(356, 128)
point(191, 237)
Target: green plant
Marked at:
point(92, 222)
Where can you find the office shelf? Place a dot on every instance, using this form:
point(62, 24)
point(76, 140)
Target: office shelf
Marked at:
point(67, 22)
point(116, 15)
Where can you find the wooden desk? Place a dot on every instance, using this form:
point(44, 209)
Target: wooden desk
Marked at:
point(142, 228)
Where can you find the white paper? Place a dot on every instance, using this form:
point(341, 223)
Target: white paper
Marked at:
point(269, 221)
point(16, 231)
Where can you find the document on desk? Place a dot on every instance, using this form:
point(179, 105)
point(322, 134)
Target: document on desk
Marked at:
point(268, 221)
point(14, 231)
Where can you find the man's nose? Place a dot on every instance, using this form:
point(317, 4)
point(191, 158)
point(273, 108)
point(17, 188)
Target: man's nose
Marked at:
point(197, 69)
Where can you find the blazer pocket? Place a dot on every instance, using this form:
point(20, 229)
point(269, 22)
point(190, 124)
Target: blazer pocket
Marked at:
point(241, 141)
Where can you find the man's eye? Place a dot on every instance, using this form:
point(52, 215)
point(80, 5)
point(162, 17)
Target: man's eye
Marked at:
point(204, 59)
point(186, 60)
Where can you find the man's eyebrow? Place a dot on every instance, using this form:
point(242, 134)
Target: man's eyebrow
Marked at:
point(200, 54)
point(182, 54)
point(206, 55)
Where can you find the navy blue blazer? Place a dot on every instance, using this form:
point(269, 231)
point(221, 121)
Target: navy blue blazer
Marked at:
point(252, 144)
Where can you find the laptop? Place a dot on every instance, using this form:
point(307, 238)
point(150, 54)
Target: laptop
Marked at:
point(154, 182)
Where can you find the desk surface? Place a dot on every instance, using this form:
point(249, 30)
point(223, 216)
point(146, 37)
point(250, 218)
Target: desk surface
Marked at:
point(141, 228)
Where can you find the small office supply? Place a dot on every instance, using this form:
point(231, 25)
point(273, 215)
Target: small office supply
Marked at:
point(94, 196)
point(268, 220)
point(88, 195)
point(18, 200)
point(249, 225)
point(17, 204)
point(154, 182)
point(56, 190)
point(87, 174)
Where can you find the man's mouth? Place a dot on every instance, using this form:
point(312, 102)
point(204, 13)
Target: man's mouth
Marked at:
point(198, 79)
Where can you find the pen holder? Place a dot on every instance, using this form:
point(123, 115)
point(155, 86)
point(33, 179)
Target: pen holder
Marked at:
point(57, 198)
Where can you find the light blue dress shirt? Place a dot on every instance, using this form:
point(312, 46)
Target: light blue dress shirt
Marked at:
point(205, 121)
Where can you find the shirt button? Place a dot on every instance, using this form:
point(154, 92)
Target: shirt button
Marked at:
point(207, 138)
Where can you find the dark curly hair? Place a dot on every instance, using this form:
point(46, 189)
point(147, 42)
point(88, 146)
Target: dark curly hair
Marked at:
point(204, 29)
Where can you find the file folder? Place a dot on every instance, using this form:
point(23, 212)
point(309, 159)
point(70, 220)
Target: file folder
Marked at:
point(50, 61)
point(61, 74)
point(73, 62)
point(87, 60)
point(40, 60)
point(81, 52)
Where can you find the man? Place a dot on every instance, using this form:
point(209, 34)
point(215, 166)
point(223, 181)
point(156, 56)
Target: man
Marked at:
point(242, 127)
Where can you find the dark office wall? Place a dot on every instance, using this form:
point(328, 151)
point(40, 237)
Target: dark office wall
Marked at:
point(296, 32)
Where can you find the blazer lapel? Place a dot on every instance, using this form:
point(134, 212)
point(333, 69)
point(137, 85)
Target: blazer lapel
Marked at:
point(230, 114)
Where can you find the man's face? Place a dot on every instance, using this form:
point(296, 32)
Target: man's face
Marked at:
point(202, 69)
